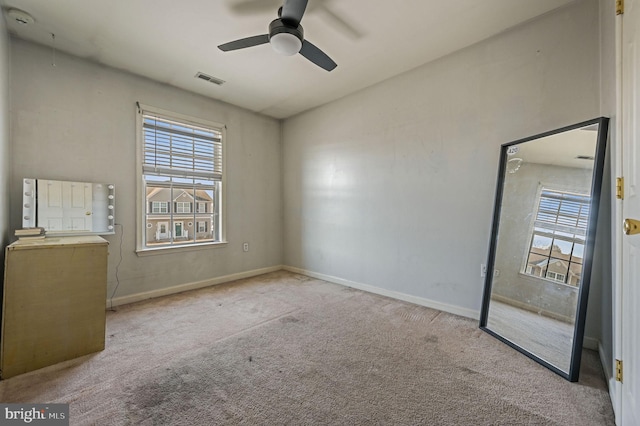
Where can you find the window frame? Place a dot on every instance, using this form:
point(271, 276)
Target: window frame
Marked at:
point(160, 204)
point(180, 207)
point(141, 248)
point(542, 186)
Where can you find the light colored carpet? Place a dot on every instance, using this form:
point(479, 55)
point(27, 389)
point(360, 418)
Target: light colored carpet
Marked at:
point(284, 349)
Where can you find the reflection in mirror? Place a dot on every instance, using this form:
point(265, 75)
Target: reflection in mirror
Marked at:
point(68, 208)
point(542, 242)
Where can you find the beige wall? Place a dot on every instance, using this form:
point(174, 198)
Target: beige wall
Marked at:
point(76, 121)
point(393, 187)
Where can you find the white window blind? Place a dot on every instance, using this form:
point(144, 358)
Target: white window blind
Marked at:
point(181, 150)
point(563, 213)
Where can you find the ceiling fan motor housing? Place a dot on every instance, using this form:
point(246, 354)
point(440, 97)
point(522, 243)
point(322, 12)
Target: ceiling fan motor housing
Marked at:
point(285, 38)
point(278, 26)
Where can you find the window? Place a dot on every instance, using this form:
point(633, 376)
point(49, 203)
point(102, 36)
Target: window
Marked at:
point(181, 167)
point(159, 207)
point(182, 207)
point(555, 276)
point(557, 245)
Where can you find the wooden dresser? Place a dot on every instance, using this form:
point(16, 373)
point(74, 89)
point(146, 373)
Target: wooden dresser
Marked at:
point(53, 302)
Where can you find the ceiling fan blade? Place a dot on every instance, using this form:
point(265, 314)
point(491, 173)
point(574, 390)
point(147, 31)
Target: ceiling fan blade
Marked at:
point(292, 11)
point(245, 42)
point(317, 56)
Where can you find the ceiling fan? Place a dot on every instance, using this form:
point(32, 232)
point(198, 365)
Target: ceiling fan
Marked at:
point(323, 8)
point(286, 36)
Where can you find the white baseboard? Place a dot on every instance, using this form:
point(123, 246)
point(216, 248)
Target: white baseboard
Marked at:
point(456, 310)
point(123, 300)
point(591, 343)
point(607, 367)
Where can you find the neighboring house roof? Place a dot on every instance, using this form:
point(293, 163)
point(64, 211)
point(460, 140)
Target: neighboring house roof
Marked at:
point(544, 263)
point(164, 194)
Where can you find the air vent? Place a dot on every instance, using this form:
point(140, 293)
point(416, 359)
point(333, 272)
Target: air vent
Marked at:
point(205, 77)
point(585, 157)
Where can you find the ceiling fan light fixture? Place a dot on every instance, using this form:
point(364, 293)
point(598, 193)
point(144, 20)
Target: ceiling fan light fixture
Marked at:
point(286, 43)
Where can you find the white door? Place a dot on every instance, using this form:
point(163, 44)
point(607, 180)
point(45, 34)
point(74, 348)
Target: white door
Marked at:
point(64, 206)
point(77, 202)
point(50, 210)
point(163, 230)
point(630, 413)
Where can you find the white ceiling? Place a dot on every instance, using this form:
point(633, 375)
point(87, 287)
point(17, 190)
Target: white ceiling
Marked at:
point(561, 149)
point(170, 41)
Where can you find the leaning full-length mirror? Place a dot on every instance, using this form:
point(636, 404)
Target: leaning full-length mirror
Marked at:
point(541, 249)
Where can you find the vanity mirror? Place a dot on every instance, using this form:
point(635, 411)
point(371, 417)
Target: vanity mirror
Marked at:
point(68, 208)
point(541, 248)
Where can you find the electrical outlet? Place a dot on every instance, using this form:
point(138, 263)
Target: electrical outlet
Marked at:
point(483, 270)
point(245, 247)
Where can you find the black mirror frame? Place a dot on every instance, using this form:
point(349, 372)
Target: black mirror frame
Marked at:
point(581, 313)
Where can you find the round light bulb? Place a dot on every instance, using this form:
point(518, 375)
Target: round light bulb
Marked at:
point(286, 44)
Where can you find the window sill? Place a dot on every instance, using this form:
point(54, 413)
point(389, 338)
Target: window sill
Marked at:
point(176, 249)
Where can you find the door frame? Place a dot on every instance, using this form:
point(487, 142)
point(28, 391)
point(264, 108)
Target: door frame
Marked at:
point(616, 229)
point(616, 390)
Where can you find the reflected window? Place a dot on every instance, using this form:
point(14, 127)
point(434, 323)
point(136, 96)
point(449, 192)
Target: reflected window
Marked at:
point(182, 178)
point(557, 244)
